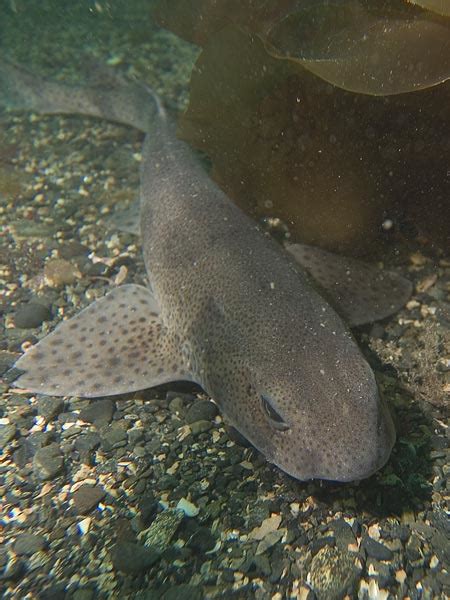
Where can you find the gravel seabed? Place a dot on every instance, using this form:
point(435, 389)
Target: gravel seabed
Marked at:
point(149, 495)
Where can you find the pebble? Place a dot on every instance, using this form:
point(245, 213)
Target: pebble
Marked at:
point(7, 433)
point(59, 272)
point(200, 427)
point(202, 540)
point(72, 249)
point(189, 509)
point(99, 412)
point(31, 315)
point(48, 462)
point(184, 590)
point(332, 573)
point(384, 575)
point(343, 533)
point(83, 594)
point(39, 439)
point(376, 550)
point(27, 544)
point(132, 558)
point(13, 570)
point(49, 407)
point(202, 410)
point(162, 529)
point(87, 497)
point(114, 436)
point(177, 406)
point(7, 360)
point(87, 442)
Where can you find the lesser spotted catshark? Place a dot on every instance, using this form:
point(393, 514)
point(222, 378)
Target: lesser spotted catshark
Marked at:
point(227, 307)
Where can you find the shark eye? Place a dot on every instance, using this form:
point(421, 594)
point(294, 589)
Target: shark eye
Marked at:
point(275, 419)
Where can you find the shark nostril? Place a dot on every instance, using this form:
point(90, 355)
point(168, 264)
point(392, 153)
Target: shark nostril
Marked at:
point(275, 419)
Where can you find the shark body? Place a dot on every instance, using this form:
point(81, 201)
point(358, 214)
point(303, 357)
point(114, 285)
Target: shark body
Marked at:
point(227, 308)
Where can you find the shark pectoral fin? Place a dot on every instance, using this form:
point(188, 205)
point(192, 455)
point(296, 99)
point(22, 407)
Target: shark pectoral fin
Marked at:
point(127, 220)
point(117, 344)
point(359, 292)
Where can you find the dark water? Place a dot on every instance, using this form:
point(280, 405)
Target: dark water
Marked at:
point(151, 495)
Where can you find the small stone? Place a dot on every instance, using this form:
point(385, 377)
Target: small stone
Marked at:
point(189, 509)
point(31, 315)
point(59, 272)
point(99, 412)
point(343, 533)
point(376, 550)
point(202, 540)
point(184, 590)
point(83, 594)
point(135, 435)
point(87, 442)
point(13, 570)
point(332, 573)
point(48, 462)
point(72, 249)
point(84, 526)
point(49, 407)
point(162, 530)
point(7, 360)
point(39, 439)
point(27, 544)
point(131, 558)
point(202, 410)
point(87, 497)
point(177, 405)
point(7, 433)
point(200, 427)
point(114, 436)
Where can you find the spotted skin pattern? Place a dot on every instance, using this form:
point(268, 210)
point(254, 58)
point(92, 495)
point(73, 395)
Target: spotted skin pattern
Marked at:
point(229, 309)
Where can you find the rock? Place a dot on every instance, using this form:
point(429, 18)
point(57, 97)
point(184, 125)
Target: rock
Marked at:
point(48, 462)
point(343, 533)
point(72, 249)
point(83, 594)
point(38, 440)
point(49, 407)
point(147, 507)
point(87, 497)
point(163, 528)
point(201, 540)
point(13, 570)
point(184, 590)
point(202, 410)
point(376, 550)
point(99, 412)
point(7, 360)
point(133, 558)
point(114, 436)
point(384, 577)
point(332, 573)
point(27, 544)
point(87, 442)
point(177, 406)
point(135, 435)
point(7, 433)
point(59, 272)
point(189, 509)
point(199, 427)
point(31, 315)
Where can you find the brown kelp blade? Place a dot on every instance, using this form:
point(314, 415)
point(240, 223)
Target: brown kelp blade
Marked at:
point(441, 7)
point(381, 51)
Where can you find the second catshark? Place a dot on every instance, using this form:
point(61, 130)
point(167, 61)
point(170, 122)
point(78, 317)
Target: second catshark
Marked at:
point(227, 307)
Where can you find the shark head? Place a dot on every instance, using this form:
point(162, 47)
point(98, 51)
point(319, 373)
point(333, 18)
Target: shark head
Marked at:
point(319, 418)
